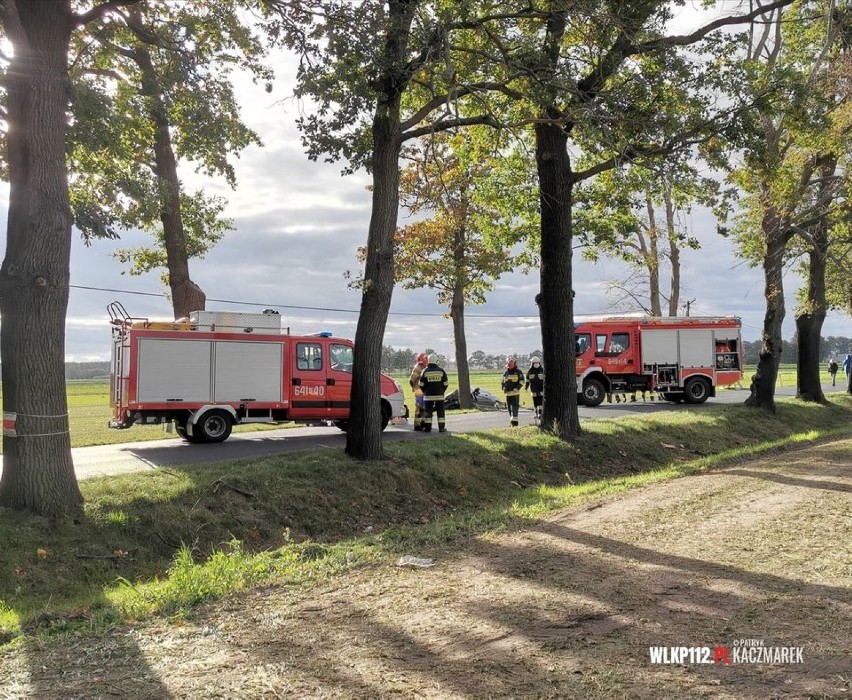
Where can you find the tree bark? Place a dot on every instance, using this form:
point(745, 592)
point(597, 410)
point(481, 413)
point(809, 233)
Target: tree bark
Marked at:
point(763, 383)
point(674, 255)
point(811, 316)
point(186, 295)
point(364, 434)
point(808, 381)
point(38, 473)
point(457, 314)
point(555, 300)
point(652, 259)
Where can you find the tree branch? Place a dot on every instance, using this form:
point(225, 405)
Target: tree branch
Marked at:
point(435, 127)
point(99, 11)
point(622, 47)
point(106, 73)
point(462, 91)
point(698, 34)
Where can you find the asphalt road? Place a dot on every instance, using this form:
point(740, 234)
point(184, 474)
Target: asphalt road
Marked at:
point(138, 456)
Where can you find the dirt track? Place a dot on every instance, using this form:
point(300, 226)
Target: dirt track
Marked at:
point(565, 608)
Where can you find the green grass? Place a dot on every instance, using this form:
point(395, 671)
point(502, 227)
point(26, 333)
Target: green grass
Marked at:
point(161, 541)
point(490, 381)
point(89, 410)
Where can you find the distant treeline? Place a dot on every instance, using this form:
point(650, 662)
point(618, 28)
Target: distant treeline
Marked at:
point(87, 370)
point(831, 347)
point(82, 370)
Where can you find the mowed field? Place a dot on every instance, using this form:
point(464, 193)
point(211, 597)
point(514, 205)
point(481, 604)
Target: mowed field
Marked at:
point(89, 409)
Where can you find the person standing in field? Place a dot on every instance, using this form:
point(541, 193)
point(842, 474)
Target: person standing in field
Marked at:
point(535, 385)
point(433, 383)
point(512, 383)
point(414, 381)
point(847, 368)
point(832, 371)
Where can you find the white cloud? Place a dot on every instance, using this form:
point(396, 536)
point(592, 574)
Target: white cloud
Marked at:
point(298, 227)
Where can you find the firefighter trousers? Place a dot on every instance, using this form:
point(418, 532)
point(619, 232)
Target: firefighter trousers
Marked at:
point(435, 406)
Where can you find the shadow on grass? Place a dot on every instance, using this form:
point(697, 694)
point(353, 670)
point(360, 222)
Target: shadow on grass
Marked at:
point(551, 611)
point(135, 523)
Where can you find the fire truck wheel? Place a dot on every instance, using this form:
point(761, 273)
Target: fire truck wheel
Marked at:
point(180, 429)
point(593, 392)
point(214, 426)
point(696, 390)
point(344, 425)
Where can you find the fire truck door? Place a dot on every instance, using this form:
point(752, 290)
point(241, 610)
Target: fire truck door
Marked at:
point(339, 382)
point(308, 387)
point(614, 353)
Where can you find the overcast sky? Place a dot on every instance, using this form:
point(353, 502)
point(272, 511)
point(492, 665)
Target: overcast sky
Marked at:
point(298, 226)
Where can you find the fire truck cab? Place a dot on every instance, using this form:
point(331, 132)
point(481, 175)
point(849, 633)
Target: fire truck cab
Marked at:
point(683, 359)
point(214, 370)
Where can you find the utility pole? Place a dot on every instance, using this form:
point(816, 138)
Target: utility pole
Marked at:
point(688, 304)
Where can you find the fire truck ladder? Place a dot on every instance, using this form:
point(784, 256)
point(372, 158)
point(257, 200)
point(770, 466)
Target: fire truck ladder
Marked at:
point(118, 315)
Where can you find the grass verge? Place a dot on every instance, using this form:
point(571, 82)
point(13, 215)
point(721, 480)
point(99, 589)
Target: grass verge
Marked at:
point(89, 408)
point(157, 543)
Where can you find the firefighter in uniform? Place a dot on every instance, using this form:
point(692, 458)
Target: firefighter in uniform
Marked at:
point(535, 385)
point(512, 382)
point(414, 381)
point(433, 383)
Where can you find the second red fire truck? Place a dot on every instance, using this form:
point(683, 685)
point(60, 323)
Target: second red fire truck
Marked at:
point(682, 359)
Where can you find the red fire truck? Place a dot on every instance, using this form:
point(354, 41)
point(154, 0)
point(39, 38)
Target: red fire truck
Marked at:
point(683, 359)
point(216, 369)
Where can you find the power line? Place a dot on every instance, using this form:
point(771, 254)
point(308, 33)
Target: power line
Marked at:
point(294, 307)
point(289, 306)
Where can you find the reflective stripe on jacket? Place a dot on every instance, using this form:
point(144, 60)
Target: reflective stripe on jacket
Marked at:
point(535, 380)
point(512, 382)
point(433, 382)
point(414, 380)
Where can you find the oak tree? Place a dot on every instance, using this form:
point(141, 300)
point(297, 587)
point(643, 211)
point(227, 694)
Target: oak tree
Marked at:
point(154, 87)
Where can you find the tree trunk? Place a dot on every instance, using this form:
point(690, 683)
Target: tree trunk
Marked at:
point(555, 301)
point(674, 255)
point(457, 314)
point(808, 380)
point(186, 295)
point(38, 473)
point(811, 316)
point(652, 259)
point(763, 382)
point(364, 436)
